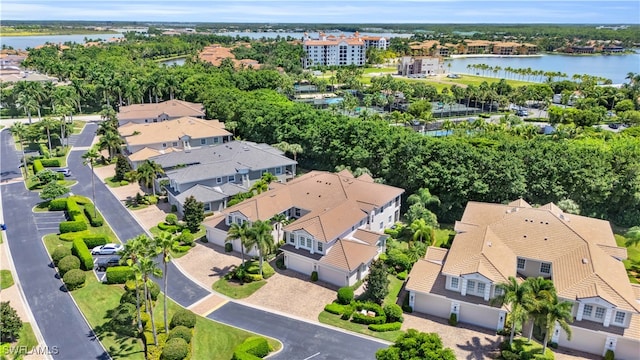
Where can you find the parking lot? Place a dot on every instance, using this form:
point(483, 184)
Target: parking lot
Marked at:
point(101, 274)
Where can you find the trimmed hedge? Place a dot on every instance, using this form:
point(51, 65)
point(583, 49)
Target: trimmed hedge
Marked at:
point(335, 308)
point(119, 274)
point(183, 317)
point(183, 248)
point(67, 264)
point(253, 345)
point(168, 228)
point(228, 247)
point(94, 240)
point(182, 332)
point(345, 295)
point(95, 219)
point(360, 318)
point(44, 151)
point(453, 319)
point(59, 204)
point(37, 166)
point(244, 356)
point(393, 313)
point(175, 349)
point(74, 279)
point(402, 275)
point(59, 253)
point(385, 327)
point(72, 235)
point(314, 276)
point(50, 162)
point(80, 200)
point(73, 208)
point(72, 226)
point(80, 250)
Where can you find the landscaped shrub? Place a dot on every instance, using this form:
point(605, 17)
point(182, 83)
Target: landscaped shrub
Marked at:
point(72, 226)
point(72, 235)
point(80, 250)
point(244, 356)
point(280, 263)
point(453, 319)
point(59, 204)
point(44, 151)
point(254, 345)
point(50, 162)
point(68, 263)
point(393, 326)
point(94, 240)
point(609, 355)
point(361, 318)
point(183, 248)
point(247, 277)
point(314, 276)
point(335, 308)
point(393, 313)
point(183, 317)
point(73, 208)
point(74, 279)
point(402, 275)
point(171, 219)
point(228, 247)
point(174, 208)
point(347, 312)
point(186, 237)
point(168, 228)
point(59, 253)
point(345, 295)
point(175, 349)
point(119, 274)
point(80, 200)
point(267, 270)
point(95, 219)
point(37, 166)
point(405, 305)
point(182, 332)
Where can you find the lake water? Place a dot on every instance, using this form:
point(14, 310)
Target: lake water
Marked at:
point(23, 42)
point(614, 67)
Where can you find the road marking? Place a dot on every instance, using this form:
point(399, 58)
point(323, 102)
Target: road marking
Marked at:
point(312, 356)
point(102, 278)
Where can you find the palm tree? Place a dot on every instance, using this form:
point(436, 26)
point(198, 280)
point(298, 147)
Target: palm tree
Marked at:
point(261, 237)
point(424, 197)
point(147, 172)
point(239, 232)
point(518, 299)
point(279, 220)
point(557, 312)
point(633, 236)
point(19, 130)
point(165, 242)
point(259, 186)
point(111, 141)
point(421, 230)
point(47, 123)
point(542, 292)
point(133, 250)
point(90, 158)
point(147, 267)
point(268, 177)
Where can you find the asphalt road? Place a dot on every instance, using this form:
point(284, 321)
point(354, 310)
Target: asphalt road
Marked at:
point(180, 288)
point(57, 316)
point(301, 340)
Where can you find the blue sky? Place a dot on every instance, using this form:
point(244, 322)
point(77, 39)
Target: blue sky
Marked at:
point(330, 11)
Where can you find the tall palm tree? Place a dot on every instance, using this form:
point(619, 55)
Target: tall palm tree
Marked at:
point(111, 141)
point(517, 298)
point(239, 232)
point(259, 186)
point(421, 231)
point(557, 312)
point(165, 242)
point(147, 267)
point(268, 177)
point(279, 220)
point(542, 292)
point(90, 158)
point(19, 130)
point(47, 123)
point(261, 237)
point(133, 250)
point(148, 171)
point(424, 197)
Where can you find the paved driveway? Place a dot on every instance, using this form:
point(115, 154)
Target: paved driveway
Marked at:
point(301, 340)
point(53, 309)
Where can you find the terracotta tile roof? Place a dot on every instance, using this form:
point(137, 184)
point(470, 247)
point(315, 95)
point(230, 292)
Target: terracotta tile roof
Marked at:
point(170, 131)
point(348, 255)
point(423, 276)
point(370, 237)
point(580, 249)
point(327, 224)
point(436, 254)
point(173, 108)
point(214, 54)
point(147, 153)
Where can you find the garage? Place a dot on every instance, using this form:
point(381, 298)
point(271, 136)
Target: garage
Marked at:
point(332, 276)
point(478, 315)
point(216, 236)
point(432, 305)
point(298, 264)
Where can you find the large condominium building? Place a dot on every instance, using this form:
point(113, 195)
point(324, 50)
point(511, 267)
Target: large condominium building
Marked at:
point(339, 50)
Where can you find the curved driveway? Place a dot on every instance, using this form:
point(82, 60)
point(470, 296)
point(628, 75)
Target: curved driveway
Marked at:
point(55, 310)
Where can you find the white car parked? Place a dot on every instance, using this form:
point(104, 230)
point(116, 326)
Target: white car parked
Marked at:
point(108, 249)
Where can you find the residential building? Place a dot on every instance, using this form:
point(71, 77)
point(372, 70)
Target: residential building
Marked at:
point(430, 48)
point(157, 112)
point(513, 48)
point(421, 66)
point(579, 254)
point(478, 46)
point(216, 53)
point(339, 50)
point(212, 174)
point(145, 140)
point(337, 222)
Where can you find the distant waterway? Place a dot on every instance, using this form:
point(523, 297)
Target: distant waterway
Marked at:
point(299, 35)
point(23, 42)
point(614, 67)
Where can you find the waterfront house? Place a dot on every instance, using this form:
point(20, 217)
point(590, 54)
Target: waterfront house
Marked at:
point(212, 174)
point(337, 222)
point(145, 140)
point(579, 254)
point(157, 112)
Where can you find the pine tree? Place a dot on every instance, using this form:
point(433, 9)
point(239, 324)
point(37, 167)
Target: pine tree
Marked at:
point(122, 167)
point(377, 286)
point(193, 213)
point(10, 323)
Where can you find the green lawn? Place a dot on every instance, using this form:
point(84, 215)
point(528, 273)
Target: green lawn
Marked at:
point(26, 341)
point(235, 290)
point(395, 285)
point(334, 320)
point(380, 70)
point(442, 236)
point(111, 183)
point(52, 241)
point(6, 280)
point(633, 258)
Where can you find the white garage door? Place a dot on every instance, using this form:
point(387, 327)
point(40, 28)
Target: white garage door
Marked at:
point(332, 276)
point(216, 236)
point(478, 315)
point(295, 263)
point(432, 305)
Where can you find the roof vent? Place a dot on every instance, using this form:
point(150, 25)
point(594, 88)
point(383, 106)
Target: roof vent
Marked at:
point(489, 244)
point(525, 236)
point(585, 261)
point(546, 223)
point(546, 239)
